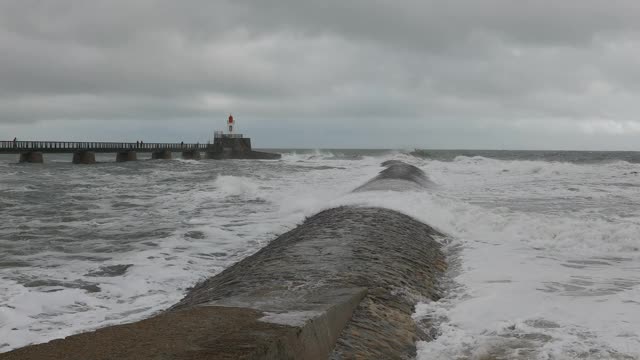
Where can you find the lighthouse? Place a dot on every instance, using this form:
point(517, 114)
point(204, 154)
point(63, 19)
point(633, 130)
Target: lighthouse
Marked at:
point(230, 123)
point(234, 146)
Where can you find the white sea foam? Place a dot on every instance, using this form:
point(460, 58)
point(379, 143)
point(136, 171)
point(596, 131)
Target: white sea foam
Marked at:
point(315, 155)
point(235, 185)
point(188, 161)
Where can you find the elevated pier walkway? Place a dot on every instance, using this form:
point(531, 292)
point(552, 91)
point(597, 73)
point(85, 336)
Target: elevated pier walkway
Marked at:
point(84, 151)
point(18, 147)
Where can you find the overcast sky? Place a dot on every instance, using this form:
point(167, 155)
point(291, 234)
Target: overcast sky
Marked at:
point(484, 74)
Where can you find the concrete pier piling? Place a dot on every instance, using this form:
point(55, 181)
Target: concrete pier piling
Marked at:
point(84, 157)
point(191, 155)
point(32, 157)
point(128, 155)
point(161, 155)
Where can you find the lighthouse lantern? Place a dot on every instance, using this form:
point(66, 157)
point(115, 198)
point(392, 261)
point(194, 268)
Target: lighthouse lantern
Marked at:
point(230, 123)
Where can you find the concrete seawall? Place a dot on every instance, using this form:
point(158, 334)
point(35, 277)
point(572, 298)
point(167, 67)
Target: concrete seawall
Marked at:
point(236, 148)
point(342, 285)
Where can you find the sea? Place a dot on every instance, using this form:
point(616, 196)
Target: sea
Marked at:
point(543, 246)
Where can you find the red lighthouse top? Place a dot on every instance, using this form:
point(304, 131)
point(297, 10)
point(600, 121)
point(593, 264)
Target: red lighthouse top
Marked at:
point(230, 119)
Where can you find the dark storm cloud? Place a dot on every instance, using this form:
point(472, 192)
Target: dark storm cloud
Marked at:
point(502, 66)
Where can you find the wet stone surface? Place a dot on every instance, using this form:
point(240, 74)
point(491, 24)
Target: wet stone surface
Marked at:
point(398, 176)
point(392, 255)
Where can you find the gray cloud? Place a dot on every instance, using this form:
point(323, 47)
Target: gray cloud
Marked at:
point(402, 73)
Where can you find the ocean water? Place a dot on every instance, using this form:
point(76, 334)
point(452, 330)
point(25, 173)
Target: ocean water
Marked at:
point(544, 247)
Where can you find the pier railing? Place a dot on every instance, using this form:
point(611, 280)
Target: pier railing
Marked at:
point(13, 147)
point(221, 135)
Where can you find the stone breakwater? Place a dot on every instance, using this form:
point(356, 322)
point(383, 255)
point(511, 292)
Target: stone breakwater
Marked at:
point(398, 176)
point(342, 285)
point(390, 254)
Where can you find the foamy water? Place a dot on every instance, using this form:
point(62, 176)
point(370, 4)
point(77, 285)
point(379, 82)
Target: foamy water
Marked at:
point(545, 255)
point(548, 263)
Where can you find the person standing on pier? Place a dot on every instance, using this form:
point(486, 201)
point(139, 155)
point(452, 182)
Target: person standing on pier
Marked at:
point(15, 142)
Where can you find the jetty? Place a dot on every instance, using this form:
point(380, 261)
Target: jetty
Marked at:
point(342, 285)
point(225, 146)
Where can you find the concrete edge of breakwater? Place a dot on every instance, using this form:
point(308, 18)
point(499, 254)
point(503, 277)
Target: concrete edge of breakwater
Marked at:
point(213, 332)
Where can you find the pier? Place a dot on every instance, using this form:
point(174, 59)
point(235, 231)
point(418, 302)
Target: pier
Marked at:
point(225, 146)
point(84, 151)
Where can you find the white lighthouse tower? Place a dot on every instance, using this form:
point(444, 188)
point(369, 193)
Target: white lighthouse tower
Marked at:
point(230, 123)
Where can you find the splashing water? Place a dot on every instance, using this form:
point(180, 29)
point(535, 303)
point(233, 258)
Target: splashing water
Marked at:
point(544, 254)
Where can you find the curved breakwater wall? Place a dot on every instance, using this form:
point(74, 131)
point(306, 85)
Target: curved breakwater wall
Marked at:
point(342, 285)
point(398, 176)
